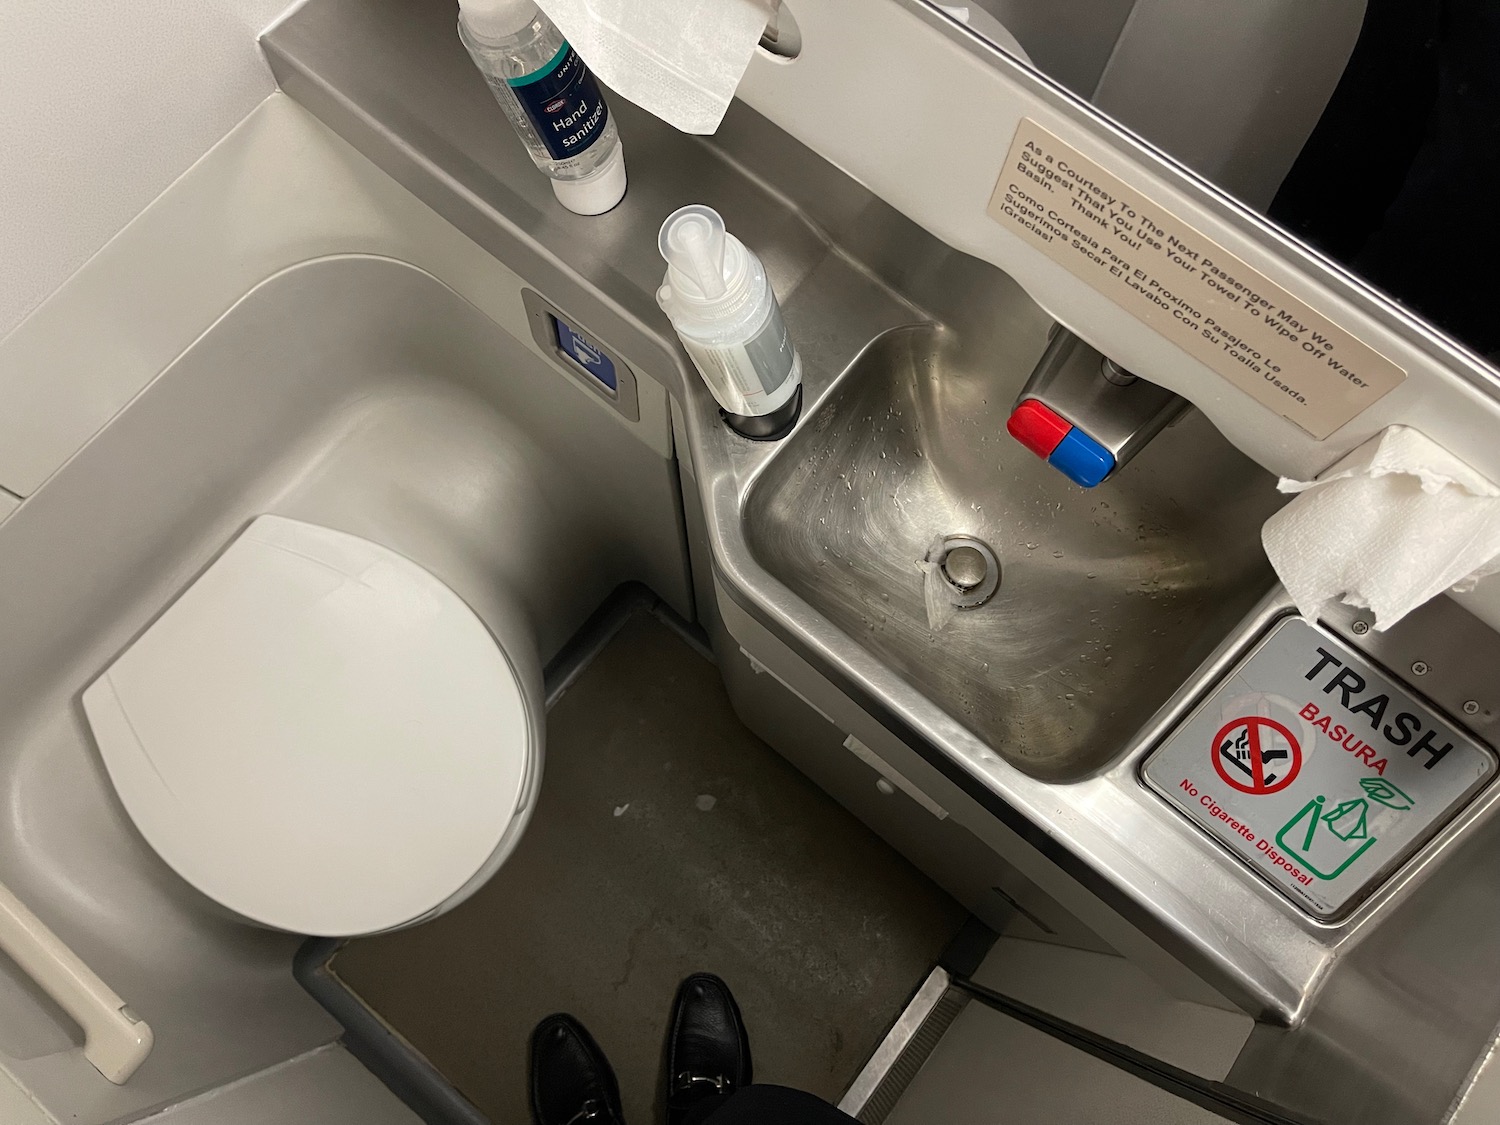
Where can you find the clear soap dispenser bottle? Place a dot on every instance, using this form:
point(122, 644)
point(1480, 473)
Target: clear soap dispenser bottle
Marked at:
point(551, 99)
point(721, 303)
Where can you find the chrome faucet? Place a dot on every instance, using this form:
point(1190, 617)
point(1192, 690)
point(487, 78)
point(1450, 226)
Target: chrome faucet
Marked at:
point(1086, 415)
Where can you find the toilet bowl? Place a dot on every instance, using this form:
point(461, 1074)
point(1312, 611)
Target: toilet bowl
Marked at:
point(321, 736)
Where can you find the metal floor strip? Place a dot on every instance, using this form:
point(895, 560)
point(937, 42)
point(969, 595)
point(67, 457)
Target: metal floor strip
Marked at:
point(904, 1049)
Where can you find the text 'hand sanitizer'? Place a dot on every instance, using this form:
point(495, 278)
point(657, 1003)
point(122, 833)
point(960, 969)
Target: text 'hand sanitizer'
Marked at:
point(720, 301)
point(551, 99)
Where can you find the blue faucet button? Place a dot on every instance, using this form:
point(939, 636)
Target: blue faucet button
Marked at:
point(1082, 459)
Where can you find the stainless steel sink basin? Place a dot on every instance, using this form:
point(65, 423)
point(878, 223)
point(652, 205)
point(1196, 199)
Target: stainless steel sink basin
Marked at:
point(1109, 598)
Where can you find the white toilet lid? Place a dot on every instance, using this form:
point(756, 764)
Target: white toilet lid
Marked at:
point(318, 734)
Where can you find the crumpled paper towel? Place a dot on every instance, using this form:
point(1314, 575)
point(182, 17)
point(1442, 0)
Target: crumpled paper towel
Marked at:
point(1396, 522)
point(678, 59)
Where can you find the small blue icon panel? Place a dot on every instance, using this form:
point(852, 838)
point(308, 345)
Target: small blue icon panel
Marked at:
point(577, 348)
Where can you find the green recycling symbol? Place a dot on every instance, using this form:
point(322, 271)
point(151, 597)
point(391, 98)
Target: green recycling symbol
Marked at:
point(1327, 840)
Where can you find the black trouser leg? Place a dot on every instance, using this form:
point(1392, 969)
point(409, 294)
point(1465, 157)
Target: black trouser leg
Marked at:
point(1437, 247)
point(1358, 156)
point(1398, 179)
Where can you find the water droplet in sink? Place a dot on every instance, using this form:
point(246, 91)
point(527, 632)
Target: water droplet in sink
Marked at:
point(1057, 554)
point(1091, 574)
point(1031, 546)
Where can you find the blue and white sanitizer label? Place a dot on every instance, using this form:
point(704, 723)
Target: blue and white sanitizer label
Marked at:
point(564, 103)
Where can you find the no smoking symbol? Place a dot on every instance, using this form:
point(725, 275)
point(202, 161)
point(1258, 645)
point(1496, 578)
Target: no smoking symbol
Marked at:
point(1256, 755)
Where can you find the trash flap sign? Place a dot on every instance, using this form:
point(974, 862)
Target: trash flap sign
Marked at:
point(1316, 768)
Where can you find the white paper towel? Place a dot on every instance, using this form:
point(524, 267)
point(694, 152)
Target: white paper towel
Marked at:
point(1396, 522)
point(679, 59)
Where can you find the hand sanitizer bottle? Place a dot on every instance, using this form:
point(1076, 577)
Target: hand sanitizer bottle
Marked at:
point(551, 99)
point(725, 313)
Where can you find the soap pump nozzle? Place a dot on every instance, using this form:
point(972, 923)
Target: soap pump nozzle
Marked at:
point(725, 312)
point(693, 241)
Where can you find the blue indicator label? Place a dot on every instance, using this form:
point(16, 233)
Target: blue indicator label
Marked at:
point(564, 104)
point(585, 354)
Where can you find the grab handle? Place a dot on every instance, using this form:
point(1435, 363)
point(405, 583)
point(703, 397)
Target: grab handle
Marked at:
point(115, 1041)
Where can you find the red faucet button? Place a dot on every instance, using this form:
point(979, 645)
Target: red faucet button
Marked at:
point(1038, 427)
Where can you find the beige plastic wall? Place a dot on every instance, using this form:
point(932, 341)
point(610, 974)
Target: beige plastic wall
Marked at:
point(106, 103)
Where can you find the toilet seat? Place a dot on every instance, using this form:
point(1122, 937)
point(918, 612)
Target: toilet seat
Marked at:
point(320, 735)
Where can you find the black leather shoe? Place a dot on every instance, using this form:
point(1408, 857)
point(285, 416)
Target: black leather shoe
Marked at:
point(708, 1051)
point(572, 1082)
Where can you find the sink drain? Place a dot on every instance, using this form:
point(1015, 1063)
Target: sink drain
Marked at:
point(969, 569)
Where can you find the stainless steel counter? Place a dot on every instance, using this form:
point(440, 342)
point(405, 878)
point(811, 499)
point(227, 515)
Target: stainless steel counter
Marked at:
point(1376, 1018)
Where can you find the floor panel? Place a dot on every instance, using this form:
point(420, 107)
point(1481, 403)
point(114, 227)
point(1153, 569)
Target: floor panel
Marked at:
point(667, 839)
point(989, 1069)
